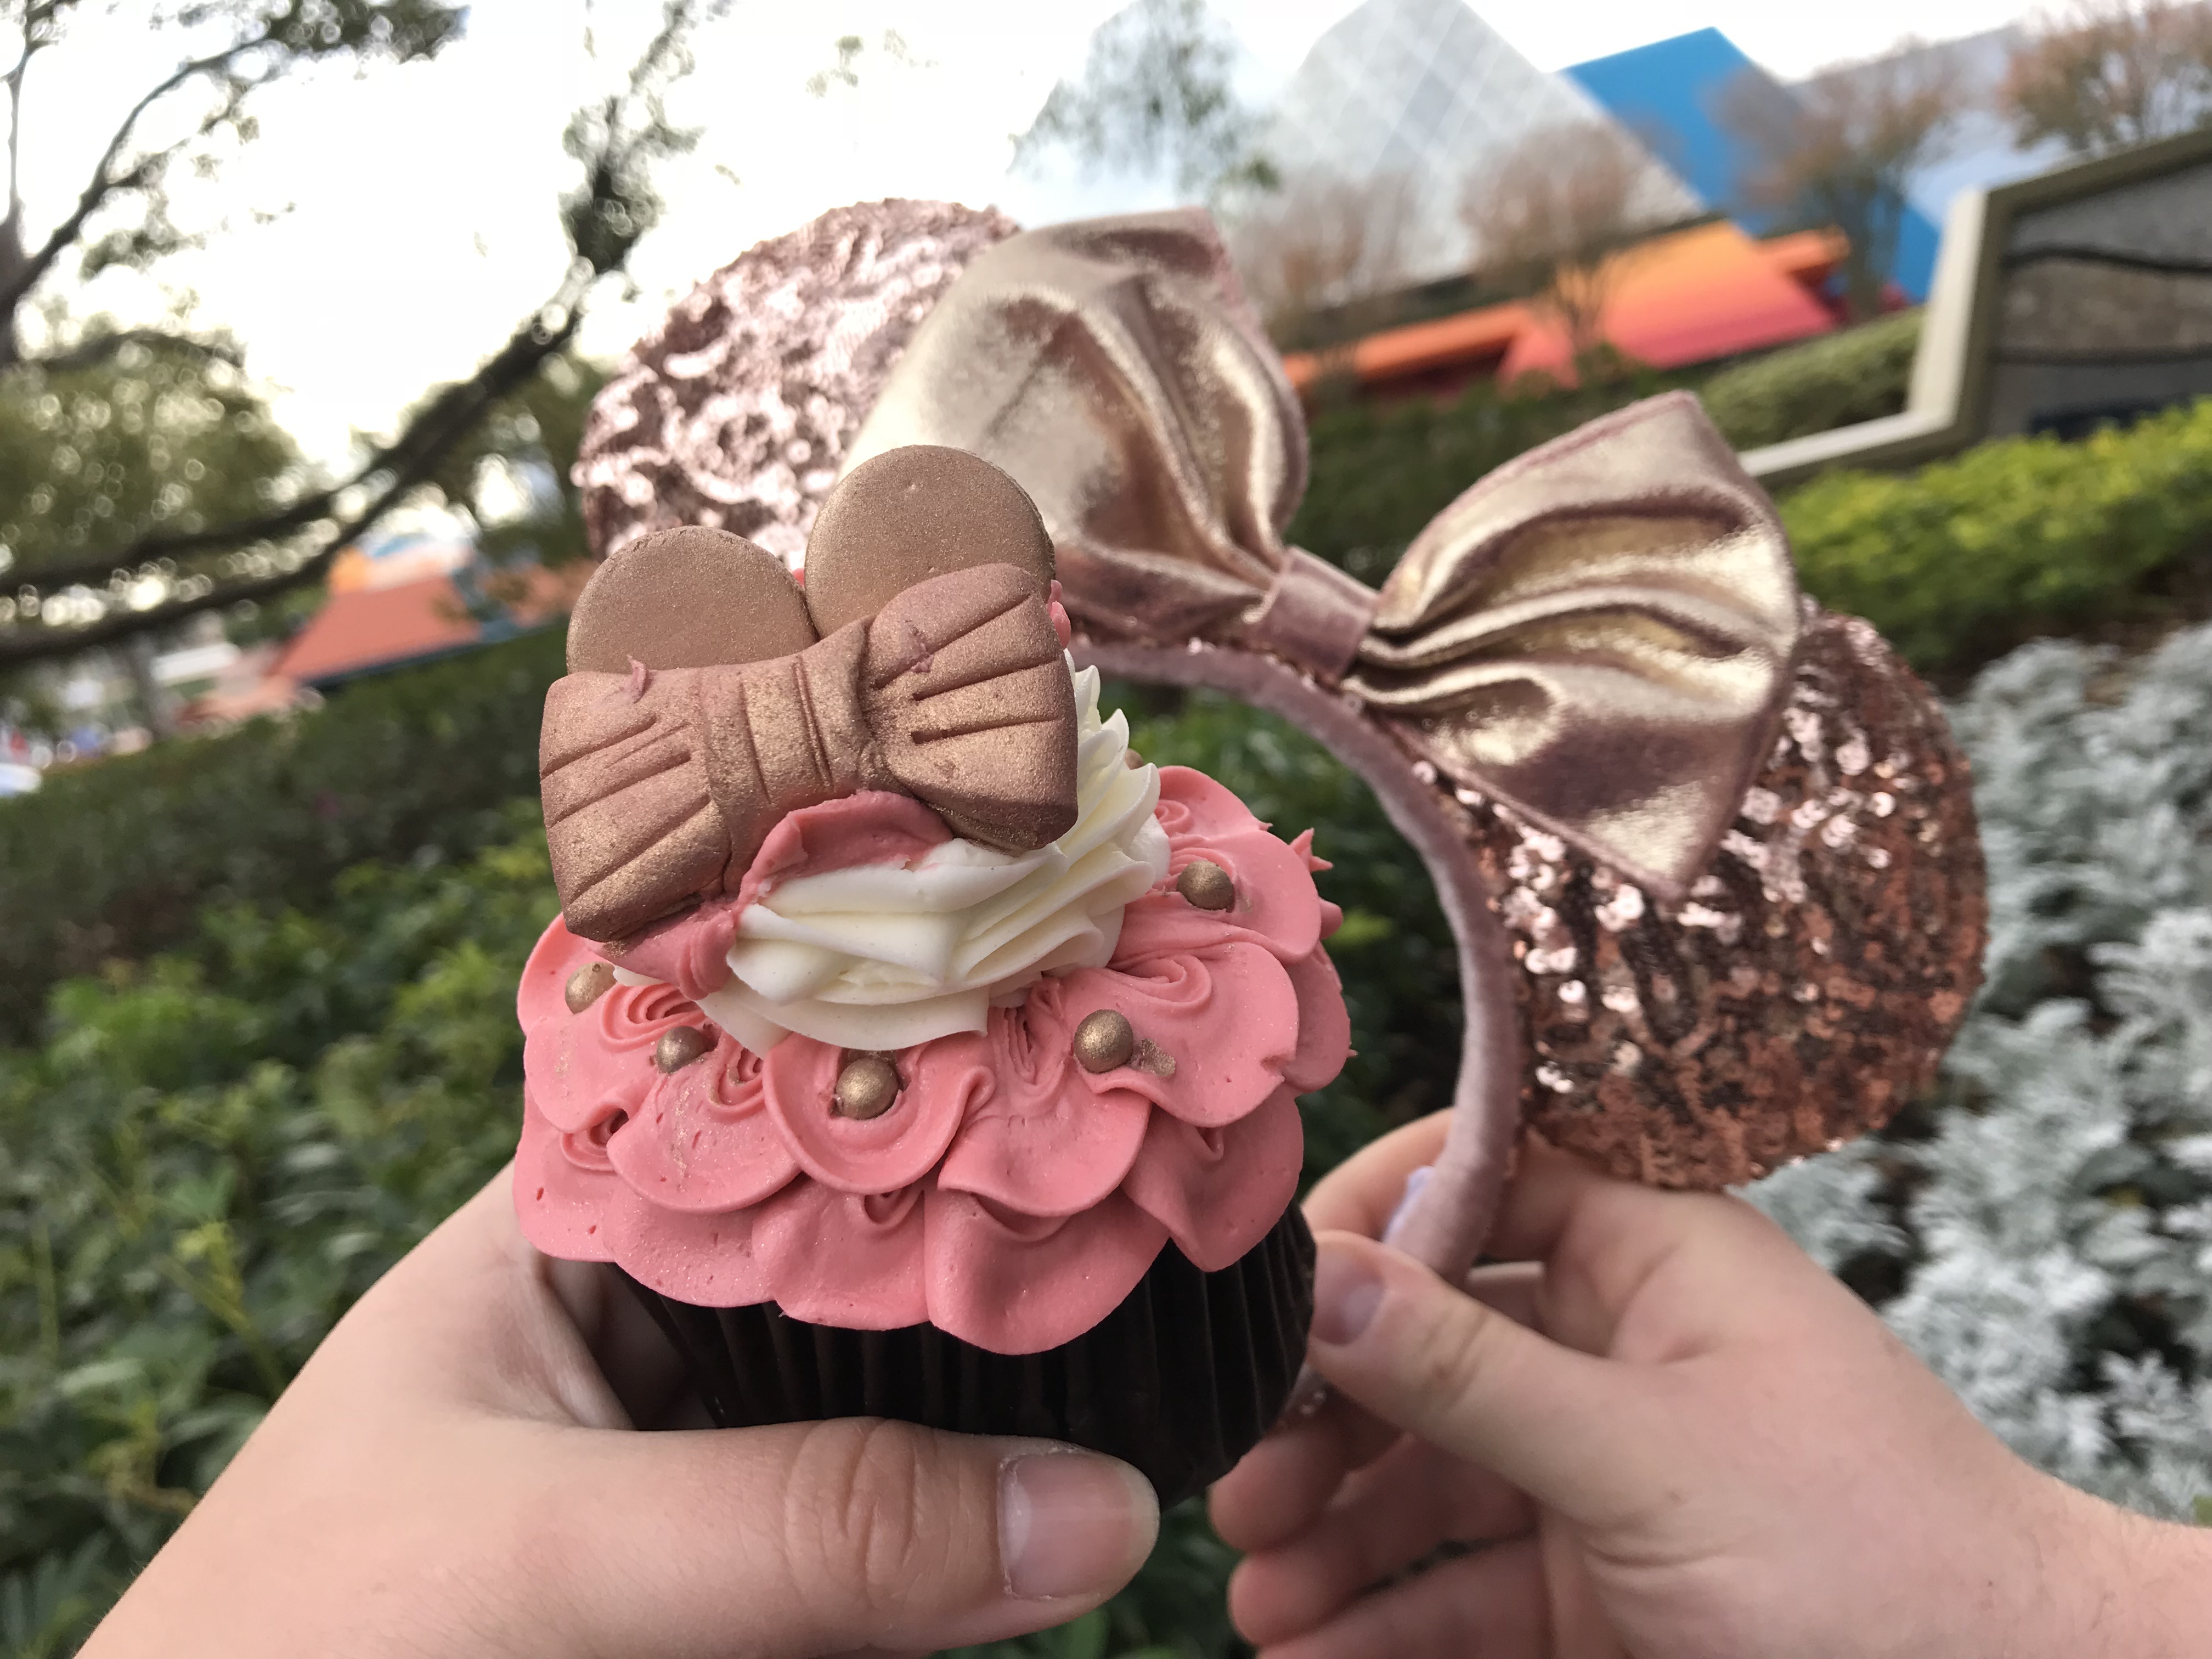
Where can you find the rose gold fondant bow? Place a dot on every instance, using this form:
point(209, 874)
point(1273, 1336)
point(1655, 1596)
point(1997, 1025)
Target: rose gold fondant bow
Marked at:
point(1598, 635)
point(661, 785)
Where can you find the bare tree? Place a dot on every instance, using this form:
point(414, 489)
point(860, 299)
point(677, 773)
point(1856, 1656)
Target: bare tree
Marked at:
point(1845, 151)
point(151, 580)
point(1158, 94)
point(2105, 73)
point(1557, 215)
point(1324, 246)
point(121, 216)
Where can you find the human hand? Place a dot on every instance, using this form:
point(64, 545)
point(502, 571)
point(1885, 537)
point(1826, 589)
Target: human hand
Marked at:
point(1667, 1432)
point(454, 1473)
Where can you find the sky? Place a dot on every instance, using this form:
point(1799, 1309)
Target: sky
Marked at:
point(414, 223)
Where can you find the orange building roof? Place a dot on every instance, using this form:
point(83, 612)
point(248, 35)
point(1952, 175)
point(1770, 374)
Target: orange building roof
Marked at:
point(1810, 257)
point(368, 627)
point(365, 627)
point(1688, 297)
point(1419, 348)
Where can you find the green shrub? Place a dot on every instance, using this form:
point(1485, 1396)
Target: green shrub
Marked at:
point(1859, 375)
point(212, 1156)
point(2023, 536)
point(117, 859)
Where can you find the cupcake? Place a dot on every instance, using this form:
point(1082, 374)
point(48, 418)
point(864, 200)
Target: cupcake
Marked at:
point(912, 1046)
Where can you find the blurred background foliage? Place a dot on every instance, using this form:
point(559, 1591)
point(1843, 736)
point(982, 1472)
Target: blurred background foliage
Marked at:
point(509, 478)
point(153, 438)
point(115, 860)
point(2016, 539)
point(1858, 373)
point(1381, 471)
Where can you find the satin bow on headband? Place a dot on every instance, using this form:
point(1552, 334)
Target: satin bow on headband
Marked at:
point(1707, 850)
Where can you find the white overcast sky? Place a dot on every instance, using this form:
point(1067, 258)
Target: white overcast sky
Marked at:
point(422, 227)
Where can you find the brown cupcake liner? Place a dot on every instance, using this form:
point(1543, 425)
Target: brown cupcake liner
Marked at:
point(1181, 1380)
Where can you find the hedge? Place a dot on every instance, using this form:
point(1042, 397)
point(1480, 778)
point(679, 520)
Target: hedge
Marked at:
point(1956, 563)
point(1382, 470)
point(115, 860)
point(2018, 538)
point(1859, 375)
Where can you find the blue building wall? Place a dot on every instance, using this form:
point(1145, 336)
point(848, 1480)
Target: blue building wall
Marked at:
point(1669, 94)
point(1663, 93)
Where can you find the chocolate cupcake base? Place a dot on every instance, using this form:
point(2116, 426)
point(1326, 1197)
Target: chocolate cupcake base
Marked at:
point(1181, 1380)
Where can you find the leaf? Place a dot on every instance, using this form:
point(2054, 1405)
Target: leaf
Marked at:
point(99, 1376)
point(1085, 1638)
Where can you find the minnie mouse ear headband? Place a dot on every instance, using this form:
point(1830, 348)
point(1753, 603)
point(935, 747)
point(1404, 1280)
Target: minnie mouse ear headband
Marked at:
point(1707, 850)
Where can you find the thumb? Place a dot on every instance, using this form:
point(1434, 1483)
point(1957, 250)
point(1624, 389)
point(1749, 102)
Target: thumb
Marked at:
point(1581, 1435)
point(817, 1538)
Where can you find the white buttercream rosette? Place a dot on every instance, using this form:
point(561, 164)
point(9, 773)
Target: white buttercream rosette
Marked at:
point(881, 956)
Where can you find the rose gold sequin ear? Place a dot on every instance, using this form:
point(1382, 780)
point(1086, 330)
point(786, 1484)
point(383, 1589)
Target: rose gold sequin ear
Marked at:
point(692, 597)
point(912, 513)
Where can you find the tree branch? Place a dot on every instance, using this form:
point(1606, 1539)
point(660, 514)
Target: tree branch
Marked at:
point(14, 81)
point(11, 222)
point(90, 353)
point(103, 183)
point(413, 454)
point(616, 144)
point(399, 467)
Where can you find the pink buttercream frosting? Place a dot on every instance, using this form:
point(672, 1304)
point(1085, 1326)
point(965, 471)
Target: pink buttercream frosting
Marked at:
point(1008, 1197)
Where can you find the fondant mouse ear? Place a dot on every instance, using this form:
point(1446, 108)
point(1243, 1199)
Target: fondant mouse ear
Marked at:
point(691, 597)
point(910, 515)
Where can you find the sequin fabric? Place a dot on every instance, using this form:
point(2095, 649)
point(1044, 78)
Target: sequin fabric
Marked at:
point(1807, 986)
point(737, 410)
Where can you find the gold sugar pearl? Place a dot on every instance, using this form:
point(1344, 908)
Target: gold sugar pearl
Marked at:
point(588, 985)
point(865, 1087)
point(679, 1046)
point(1104, 1040)
point(1206, 885)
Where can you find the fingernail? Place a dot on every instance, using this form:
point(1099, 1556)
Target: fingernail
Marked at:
point(1071, 1523)
point(1346, 1293)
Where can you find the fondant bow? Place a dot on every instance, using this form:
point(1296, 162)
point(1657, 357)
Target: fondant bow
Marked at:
point(659, 786)
point(1598, 635)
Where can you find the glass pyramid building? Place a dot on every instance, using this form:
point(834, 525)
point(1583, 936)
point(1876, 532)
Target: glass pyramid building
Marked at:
point(1422, 91)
